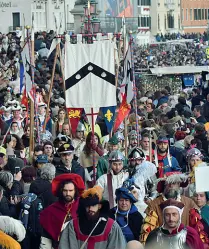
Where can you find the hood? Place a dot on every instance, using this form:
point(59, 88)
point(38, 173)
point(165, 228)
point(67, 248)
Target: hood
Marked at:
point(179, 144)
point(40, 186)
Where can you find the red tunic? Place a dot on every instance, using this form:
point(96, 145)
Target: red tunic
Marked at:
point(93, 239)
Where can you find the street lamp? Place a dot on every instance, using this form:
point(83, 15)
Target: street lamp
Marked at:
point(95, 25)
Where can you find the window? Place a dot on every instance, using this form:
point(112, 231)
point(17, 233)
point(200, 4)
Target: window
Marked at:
point(186, 14)
point(182, 14)
point(170, 21)
point(199, 14)
point(158, 22)
point(195, 14)
point(190, 14)
point(144, 2)
point(144, 21)
point(203, 15)
point(206, 14)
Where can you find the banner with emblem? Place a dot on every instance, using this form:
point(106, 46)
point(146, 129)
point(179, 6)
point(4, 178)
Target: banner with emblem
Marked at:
point(122, 113)
point(109, 116)
point(74, 115)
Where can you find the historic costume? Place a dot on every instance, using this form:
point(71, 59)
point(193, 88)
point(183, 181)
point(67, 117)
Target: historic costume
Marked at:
point(53, 218)
point(99, 233)
point(110, 181)
point(180, 237)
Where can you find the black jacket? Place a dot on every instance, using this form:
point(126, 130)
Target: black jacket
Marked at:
point(7, 209)
point(202, 137)
point(12, 163)
point(206, 111)
point(44, 188)
point(76, 169)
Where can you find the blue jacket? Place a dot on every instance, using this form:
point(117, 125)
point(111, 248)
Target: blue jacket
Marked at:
point(174, 165)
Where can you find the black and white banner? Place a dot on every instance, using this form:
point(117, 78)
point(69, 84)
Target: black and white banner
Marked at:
point(90, 75)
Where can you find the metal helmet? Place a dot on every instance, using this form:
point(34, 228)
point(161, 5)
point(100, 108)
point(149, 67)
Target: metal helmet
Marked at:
point(116, 156)
point(80, 127)
point(119, 136)
point(136, 153)
point(132, 134)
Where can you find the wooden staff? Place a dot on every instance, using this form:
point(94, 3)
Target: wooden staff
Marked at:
point(64, 87)
point(32, 142)
point(51, 86)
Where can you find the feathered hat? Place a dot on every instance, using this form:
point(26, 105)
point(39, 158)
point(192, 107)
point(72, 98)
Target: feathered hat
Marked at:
point(171, 178)
point(91, 196)
point(8, 242)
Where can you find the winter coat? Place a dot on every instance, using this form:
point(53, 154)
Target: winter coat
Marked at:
point(76, 169)
point(206, 111)
point(202, 137)
point(12, 163)
point(43, 187)
point(7, 209)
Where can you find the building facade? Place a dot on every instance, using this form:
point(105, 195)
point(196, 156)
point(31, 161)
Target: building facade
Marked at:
point(165, 16)
point(144, 18)
point(14, 14)
point(194, 15)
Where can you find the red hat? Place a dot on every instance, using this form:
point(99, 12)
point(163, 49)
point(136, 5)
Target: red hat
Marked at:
point(76, 180)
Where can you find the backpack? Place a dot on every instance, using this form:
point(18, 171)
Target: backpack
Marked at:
point(36, 207)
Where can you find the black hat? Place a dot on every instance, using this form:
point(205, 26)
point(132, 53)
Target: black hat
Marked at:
point(65, 148)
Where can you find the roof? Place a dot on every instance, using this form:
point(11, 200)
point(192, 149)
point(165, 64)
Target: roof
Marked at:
point(178, 70)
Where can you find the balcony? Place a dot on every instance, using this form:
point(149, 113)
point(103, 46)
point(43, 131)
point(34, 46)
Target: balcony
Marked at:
point(13, 28)
point(144, 10)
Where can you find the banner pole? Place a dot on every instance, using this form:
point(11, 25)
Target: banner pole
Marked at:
point(50, 89)
point(134, 87)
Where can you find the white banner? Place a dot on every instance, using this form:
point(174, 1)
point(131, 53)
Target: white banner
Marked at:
point(127, 84)
point(90, 75)
point(27, 67)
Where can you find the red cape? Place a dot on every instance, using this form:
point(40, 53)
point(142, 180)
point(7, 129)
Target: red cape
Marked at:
point(53, 217)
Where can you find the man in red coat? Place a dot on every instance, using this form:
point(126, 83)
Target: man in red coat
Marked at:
point(53, 219)
point(173, 234)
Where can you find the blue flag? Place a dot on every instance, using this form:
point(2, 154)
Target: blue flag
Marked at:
point(21, 74)
point(109, 116)
point(188, 80)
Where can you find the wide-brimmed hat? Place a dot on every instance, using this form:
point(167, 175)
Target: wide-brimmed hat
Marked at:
point(76, 180)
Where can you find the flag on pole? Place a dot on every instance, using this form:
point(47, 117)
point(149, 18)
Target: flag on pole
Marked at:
point(24, 100)
point(90, 75)
point(91, 114)
point(74, 115)
point(109, 116)
point(126, 88)
point(21, 75)
point(122, 113)
point(27, 67)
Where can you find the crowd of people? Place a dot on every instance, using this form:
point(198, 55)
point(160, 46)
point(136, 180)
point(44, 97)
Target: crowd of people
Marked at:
point(176, 52)
point(84, 190)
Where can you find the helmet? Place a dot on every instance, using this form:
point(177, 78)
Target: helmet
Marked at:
point(80, 127)
point(136, 153)
point(116, 156)
point(119, 136)
point(133, 134)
